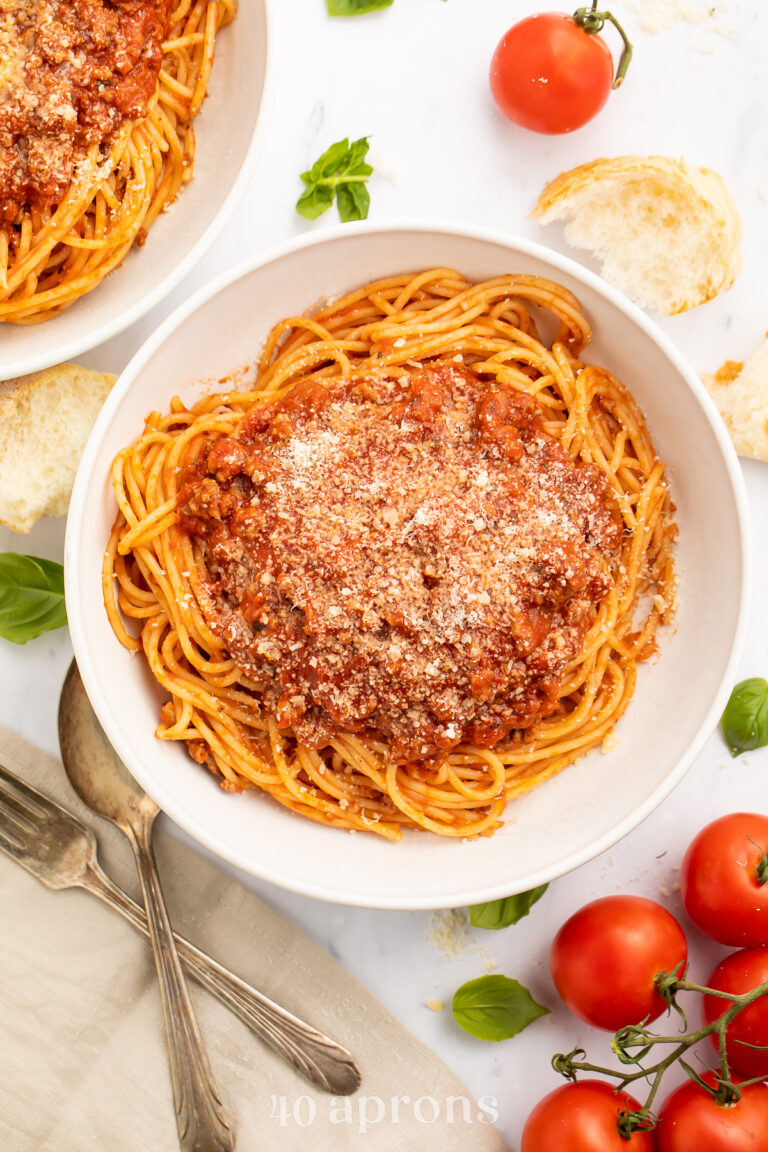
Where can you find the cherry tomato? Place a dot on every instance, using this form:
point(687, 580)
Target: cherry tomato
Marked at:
point(604, 960)
point(690, 1120)
point(582, 1117)
point(723, 883)
point(549, 75)
point(741, 972)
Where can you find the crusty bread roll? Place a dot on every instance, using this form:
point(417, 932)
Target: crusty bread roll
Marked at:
point(741, 394)
point(665, 233)
point(45, 419)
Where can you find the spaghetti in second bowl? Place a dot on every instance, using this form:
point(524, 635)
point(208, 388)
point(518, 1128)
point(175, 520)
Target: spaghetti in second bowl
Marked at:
point(410, 572)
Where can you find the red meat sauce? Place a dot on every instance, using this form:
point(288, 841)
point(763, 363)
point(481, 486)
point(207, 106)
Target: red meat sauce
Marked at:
point(414, 559)
point(71, 73)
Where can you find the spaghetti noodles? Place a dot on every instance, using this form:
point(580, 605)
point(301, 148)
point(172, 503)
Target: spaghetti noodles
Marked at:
point(416, 482)
point(103, 171)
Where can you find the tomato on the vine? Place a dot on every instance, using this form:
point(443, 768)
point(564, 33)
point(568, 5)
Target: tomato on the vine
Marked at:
point(748, 1031)
point(723, 880)
point(691, 1120)
point(583, 1117)
point(552, 73)
point(605, 960)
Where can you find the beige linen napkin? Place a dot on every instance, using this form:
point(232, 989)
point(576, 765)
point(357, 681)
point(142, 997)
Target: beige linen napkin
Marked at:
point(83, 1066)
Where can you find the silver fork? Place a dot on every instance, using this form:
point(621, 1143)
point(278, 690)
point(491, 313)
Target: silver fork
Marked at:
point(60, 851)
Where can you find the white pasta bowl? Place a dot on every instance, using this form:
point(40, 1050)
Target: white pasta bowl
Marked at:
point(229, 132)
point(565, 821)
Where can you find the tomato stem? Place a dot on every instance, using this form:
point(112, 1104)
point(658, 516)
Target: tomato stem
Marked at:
point(761, 871)
point(591, 21)
point(630, 1122)
point(632, 1045)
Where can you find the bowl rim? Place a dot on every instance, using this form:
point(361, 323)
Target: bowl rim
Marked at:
point(263, 870)
point(94, 337)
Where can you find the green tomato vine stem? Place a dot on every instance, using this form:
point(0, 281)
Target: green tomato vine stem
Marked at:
point(761, 871)
point(591, 21)
point(633, 1044)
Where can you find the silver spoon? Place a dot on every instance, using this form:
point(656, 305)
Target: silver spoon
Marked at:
point(104, 784)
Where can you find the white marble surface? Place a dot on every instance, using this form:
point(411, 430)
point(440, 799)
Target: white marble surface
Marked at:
point(414, 79)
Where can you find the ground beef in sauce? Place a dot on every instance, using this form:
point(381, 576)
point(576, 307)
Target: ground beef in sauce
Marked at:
point(71, 72)
point(415, 559)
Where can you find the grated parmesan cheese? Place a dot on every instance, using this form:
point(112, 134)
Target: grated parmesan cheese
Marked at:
point(656, 16)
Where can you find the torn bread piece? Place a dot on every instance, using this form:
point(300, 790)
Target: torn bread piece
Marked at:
point(45, 419)
point(740, 392)
point(665, 233)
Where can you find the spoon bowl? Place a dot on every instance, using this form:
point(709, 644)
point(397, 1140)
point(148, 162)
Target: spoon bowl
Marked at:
point(95, 771)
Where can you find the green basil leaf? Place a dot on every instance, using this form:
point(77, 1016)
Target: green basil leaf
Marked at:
point(328, 163)
point(353, 164)
point(355, 7)
point(502, 913)
point(495, 1007)
point(31, 597)
point(745, 720)
point(316, 200)
point(341, 171)
point(353, 201)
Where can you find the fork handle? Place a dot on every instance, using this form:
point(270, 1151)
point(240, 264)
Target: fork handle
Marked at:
point(316, 1057)
point(200, 1120)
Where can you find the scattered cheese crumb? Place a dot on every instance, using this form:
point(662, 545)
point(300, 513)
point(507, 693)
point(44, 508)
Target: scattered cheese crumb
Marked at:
point(610, 743)
point(435, 1005)
point(490, 963)
point(449, 932)
point(659, 15)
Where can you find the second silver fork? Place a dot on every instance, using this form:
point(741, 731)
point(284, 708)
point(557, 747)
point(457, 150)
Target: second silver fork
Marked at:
point(59, 850)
